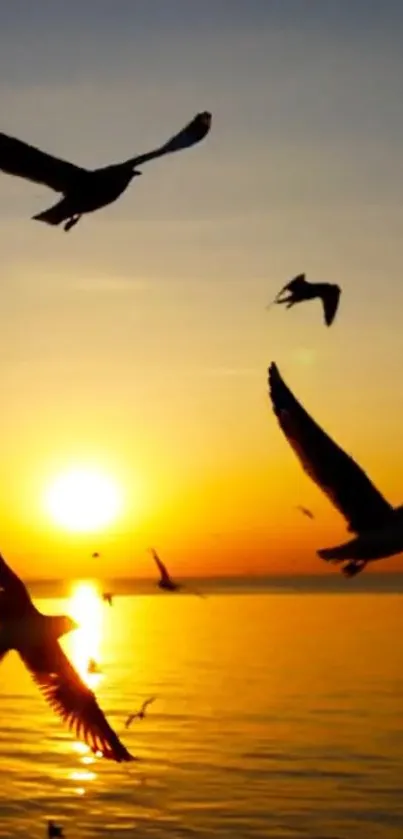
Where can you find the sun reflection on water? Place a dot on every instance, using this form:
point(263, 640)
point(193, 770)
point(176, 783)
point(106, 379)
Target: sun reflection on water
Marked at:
point(86, 607)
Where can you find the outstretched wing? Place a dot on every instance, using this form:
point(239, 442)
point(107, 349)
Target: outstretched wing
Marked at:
point(330, 297)
point(192, 133)
point(15, 600)
point(72, 699)
point(335, 472)
point(160, 565)
point(147, 702)
point(25, 161)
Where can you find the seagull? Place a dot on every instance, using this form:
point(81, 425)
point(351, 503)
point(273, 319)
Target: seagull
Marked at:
point(305, 511)
point(54, 830)
point(166, 582)
point(86, 190)
point(34, 637)
point(378, 527)
point(93, 667)
point(107, 597)
point(299, 289)
point(141, 713)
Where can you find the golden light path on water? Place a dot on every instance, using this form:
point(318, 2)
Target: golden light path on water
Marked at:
point(86, 607)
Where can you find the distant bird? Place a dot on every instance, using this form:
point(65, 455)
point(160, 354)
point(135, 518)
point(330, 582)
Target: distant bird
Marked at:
point(305, 511)
point(95, 555)
point(166, 582)
point(34, 637)
point(93, 667)
point(378, 526)
point(107, 597)
point(54, 830)
point(140, 714)
point(86, 190)
point(299, 289)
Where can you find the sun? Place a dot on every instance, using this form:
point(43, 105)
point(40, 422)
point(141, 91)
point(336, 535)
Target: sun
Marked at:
point(83, 500)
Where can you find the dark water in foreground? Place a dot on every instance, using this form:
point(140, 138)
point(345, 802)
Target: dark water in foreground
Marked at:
point(278, 715)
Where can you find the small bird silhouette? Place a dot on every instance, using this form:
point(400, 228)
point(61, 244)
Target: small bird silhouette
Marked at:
point(34, 637)
point(165, 582)
point(95, 555)
point(107, 597)
point(140, 714)
point(85, 190)
point(93, 667)
point(305, 511)
point(54, 830)
point(299, 289)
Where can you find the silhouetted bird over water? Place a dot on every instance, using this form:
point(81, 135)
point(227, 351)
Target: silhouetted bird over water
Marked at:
point(305, 511)
point(54, 831)
point(35, 637)
point(165, 582)
point(140, 714)
point(299, 289)
point(378, 525)
point(93, 667)
point(86, 190)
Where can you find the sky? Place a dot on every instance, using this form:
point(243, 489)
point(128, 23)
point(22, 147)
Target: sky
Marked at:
point(139, 342)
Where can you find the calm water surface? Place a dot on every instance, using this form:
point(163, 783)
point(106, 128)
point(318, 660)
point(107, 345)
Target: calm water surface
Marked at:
point(278, 715)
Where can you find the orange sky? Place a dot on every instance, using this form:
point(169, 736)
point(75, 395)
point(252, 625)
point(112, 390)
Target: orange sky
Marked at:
point(139, 342)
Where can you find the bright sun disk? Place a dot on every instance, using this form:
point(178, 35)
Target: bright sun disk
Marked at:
point(83, 500)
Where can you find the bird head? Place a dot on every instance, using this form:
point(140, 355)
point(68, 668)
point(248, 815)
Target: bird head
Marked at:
point(69, 623)
point(62, 624)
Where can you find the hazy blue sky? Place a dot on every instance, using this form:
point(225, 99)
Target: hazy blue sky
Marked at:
point(140, 340)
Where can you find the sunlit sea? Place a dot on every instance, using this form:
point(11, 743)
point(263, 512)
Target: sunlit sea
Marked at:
point(279, 713)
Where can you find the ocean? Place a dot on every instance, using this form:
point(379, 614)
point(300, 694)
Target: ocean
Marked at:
point(278, 713)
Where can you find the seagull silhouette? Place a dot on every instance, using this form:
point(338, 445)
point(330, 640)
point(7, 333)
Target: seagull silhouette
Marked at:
point(305, 511)
point(299, 289)
point(35, 638)
point(107, 597)
point(93, 667)
point(140, 714)
point(86, 190)
point(54, 831)
point(166, 582)
point(379, 526)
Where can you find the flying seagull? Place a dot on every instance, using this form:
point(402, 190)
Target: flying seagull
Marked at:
point(378, 526)
point(140, 714)
point(305, 511)
point(34, 637)
point(107, 597)
point(93, 667)
point(166, 582)
point(86, 190)
point(299, 289)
